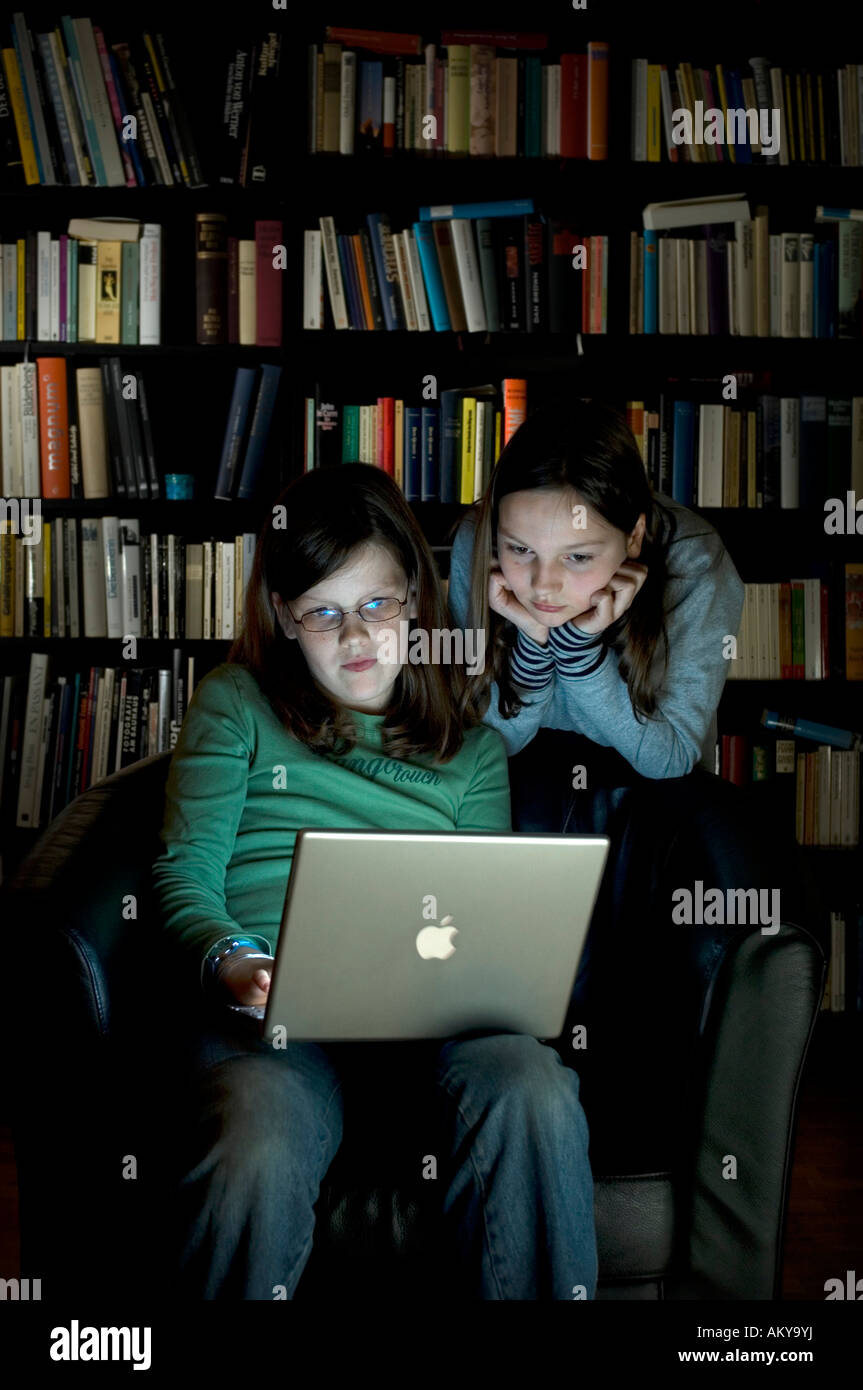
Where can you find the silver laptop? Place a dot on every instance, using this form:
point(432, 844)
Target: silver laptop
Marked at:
point(389, 935)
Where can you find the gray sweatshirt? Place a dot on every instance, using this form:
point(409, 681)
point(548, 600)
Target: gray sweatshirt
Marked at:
point(573, 684)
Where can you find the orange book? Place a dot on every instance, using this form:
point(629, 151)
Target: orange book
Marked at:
point(854, 622)
point(53, 427)
point(363, 280)
point(514, 406)
point(597, 101)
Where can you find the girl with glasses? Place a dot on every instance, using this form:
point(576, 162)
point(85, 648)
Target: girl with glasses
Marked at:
point(306, 725)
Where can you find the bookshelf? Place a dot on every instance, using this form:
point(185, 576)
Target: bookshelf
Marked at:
point(189, 385)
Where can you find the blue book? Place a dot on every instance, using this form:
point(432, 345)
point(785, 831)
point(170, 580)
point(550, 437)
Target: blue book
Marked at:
point(742, 148)
point(533, 107)
point(413, 454)
point(507, 207)
point(683, 453)
point(130, 145)
point(235, 431)
point(262, 418)
point(385, 265)
point(59, 109)
point(370, 105)
point(80, 87)
point(429, 457)
point(350, 282)
point(431, 275)
point(651, 282)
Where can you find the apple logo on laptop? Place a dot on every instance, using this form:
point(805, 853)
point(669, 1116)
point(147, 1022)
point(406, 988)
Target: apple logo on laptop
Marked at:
point(435, 943)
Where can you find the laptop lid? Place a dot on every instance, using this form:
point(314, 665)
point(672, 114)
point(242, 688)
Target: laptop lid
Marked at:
point(389, 935)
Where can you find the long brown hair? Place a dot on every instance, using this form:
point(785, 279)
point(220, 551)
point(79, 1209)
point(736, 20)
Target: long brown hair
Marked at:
point(587, 446)
point(327, 513)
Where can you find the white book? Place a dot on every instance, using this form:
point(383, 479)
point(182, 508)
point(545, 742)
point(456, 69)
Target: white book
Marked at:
point(130, 575)
point(31, 743)
point(10, 423)
point(347, 101)
point(104, 701)
point(313, 281)
point(43, 286)
point(789, 451)
point(228, 598)
point(738, 669)
point(335, 286)
point(28, 423)
point(775, 666)
point(667, 285)
point(54, 315)
point(711, 453)
point(111, 574)
point(478, 448)
point(150, 280)
point(100, 108)
point(424, 323)
point(246, 292)
point(72, 561)
point(155, 612)
point(790, 285)
point(684, 323)
point(731, 267)
point(745, 280)
point(163, 732)
point(812, 629)
point(639, 109)
point(775, 285)
point(696, 212)
point(404, 282)
point(807, 285)
point(461, 230)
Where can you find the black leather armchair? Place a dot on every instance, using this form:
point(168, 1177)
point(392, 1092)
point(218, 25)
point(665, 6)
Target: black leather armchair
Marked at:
point(696, 1039)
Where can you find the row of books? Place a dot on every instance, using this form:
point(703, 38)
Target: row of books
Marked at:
point(85, 432)
point(84, 286)
point(826, 782)
point(814, 114)
point(760, 450)
point(440, 452)
point(65, 431)
point(238, 282)
point(61, 732)
point(735, 277)
point(89, 112)
point(475, 267)
point(101, 577)
point(784, 629)
point(484, 98)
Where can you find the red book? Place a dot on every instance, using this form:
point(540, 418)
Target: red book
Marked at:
point(268, 284)
point(377, 40)
point(387, 413)
point(573, 105)
point(737, 760)
point(53, 427)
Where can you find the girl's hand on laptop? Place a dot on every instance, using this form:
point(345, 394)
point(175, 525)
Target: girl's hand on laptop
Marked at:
point(247, 981)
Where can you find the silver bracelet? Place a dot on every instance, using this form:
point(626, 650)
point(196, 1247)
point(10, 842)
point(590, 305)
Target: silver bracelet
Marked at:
point(225, 949)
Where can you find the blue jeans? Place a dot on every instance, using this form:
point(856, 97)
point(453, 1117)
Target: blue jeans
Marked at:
point(263, 1126)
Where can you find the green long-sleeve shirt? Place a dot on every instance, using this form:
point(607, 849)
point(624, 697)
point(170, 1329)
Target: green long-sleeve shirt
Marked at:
point(240, 787)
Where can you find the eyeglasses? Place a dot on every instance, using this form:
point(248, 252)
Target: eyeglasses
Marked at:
point(377, 610)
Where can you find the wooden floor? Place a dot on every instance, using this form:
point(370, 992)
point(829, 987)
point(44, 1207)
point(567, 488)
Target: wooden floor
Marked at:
point(824, 1235)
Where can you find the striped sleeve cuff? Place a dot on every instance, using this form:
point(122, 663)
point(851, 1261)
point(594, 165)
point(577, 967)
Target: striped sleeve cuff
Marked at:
point(531, 665)
point(575, 653)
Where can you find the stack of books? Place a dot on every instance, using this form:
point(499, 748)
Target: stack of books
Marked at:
point(371, 91)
